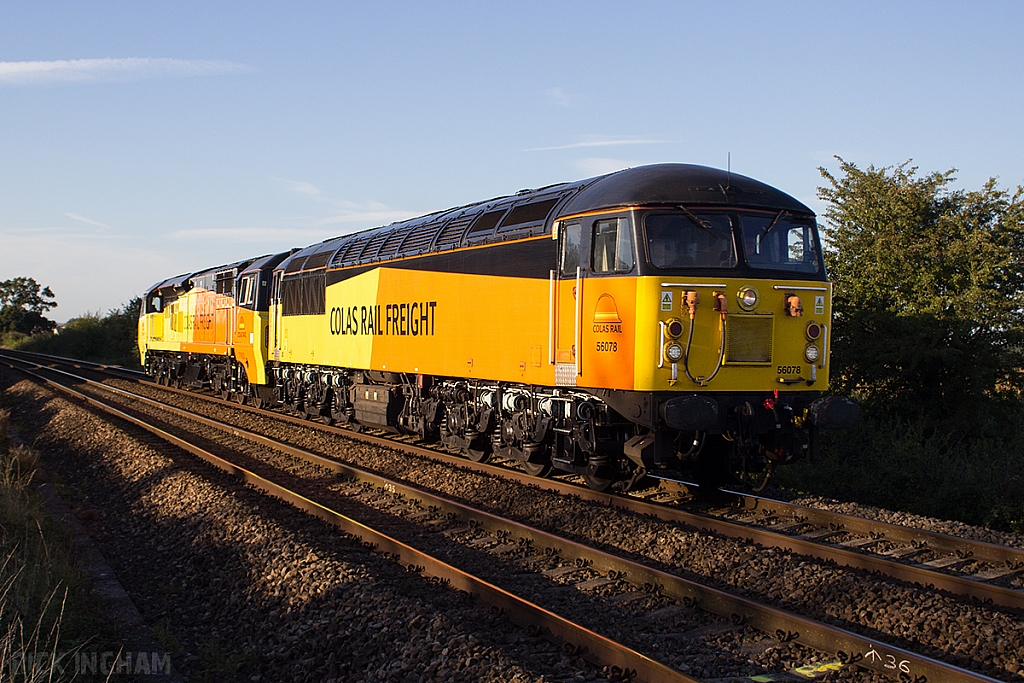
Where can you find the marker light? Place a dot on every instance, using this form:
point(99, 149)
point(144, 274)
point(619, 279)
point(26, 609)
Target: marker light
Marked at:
point(673, 352)
point(747, 298)
point(674, 328)
point(813, 331)
point(811, 353)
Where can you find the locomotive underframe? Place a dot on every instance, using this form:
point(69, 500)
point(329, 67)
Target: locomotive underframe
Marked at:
point(604, 435)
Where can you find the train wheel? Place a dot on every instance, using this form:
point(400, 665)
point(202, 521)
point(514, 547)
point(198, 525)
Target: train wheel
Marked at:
point(536, 469)
point(599, 484)
point(477, 455)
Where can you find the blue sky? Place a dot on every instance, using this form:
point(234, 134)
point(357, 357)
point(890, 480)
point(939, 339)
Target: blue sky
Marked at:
point(140, 140)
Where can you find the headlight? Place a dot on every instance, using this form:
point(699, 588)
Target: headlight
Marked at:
point(674, 328)
point(673, 352)
point(747, 298)
point(811, 353)
point(813, 331)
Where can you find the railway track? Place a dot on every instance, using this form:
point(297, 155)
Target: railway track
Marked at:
point(591, 569)
point(984, 572)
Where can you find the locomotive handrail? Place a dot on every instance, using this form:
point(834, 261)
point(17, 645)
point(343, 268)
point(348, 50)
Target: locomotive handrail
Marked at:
point(779, 288)
point(690, 284)
point(661, 345)
point(577, 338)
point(551, 317)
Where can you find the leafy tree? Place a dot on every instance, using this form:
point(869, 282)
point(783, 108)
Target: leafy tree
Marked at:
point(106, 339)
point(22, 305)
point(929, 294)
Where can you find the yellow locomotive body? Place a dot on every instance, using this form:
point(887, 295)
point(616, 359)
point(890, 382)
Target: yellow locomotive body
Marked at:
point(612, 327)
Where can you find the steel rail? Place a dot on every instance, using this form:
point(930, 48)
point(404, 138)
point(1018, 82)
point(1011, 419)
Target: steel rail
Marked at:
point(979, 550)
point(81, 364)
point(850, 647)
point(592, 646)
point(922, 575)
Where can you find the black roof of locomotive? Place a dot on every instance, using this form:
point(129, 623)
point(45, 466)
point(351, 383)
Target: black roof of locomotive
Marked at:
point(673, 184)
point(528, 213)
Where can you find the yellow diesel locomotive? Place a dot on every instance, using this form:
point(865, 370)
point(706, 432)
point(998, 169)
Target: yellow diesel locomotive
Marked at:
point(652, 320)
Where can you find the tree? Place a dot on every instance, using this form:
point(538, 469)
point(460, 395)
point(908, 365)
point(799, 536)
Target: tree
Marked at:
point(22, 305)
point(929, 294)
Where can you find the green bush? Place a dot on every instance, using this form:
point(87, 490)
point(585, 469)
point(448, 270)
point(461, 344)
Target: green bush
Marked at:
point(928, 334)
point(109, 339)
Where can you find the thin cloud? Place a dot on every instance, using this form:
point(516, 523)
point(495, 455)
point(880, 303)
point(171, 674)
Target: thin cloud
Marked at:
point(601, 142)
point(113, 70)
point(301, 187)
point(558, 97)
point(88, 220)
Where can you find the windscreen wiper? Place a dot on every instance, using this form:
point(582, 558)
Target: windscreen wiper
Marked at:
point(774, 221)
point(697, 220)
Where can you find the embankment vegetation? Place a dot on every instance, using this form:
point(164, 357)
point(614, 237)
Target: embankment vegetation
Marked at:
point(110, 338)
point(928, 335)
point(36, 576)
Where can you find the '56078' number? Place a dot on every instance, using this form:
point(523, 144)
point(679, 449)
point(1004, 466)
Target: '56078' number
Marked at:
point(790, 369)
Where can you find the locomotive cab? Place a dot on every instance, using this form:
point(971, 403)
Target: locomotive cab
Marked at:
point(705, 323)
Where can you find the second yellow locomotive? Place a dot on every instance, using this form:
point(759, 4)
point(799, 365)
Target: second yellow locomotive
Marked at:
point(627, 324)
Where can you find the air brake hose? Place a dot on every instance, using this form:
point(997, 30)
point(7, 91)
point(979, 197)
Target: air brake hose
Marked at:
point(691, 303)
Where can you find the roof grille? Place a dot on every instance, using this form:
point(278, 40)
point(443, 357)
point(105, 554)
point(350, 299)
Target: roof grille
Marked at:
point(534, 212)
point(393, 242)
point(485, 224)
point(295, 264)
point(419, 238)
point(451, 235)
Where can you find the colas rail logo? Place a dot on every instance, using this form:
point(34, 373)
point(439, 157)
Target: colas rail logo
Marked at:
point(606, 315)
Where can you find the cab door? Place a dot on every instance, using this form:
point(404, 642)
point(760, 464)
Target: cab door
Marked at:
point(275, 312)
point(607, 317)
point(566, 302)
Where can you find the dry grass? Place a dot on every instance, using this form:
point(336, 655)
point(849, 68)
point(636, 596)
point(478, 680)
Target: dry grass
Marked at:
point(33, 579)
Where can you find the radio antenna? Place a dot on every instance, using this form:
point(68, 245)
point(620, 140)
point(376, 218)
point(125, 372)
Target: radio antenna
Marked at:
point(728, 178)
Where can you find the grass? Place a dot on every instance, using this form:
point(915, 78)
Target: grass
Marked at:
point(47, 615)
point(971, 475)
point(35, 575)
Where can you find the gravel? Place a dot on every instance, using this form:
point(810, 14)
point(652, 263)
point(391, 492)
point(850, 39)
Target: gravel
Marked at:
point(980, 638)
point(241, 589)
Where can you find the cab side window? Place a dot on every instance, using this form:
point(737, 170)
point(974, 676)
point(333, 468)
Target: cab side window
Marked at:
point(613, 246)
point(248, 295)
point(570, 256)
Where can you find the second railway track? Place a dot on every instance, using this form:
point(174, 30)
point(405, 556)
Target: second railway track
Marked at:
point(604, 578)
point(985, 572)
